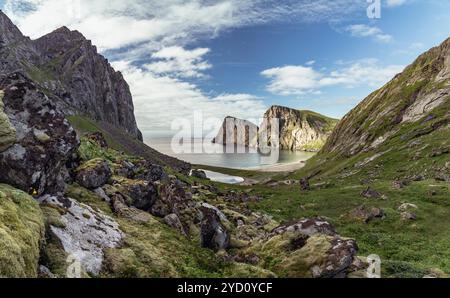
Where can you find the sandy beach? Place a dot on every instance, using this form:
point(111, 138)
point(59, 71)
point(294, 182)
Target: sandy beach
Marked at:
point(288, 167)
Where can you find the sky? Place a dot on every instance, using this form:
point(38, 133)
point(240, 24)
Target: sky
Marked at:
point(239, 57)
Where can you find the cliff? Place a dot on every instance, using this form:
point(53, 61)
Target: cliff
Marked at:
point(238, 132)
point(67, 66)
point(298, 130)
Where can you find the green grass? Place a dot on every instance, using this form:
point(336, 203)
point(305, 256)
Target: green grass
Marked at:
point(84, 125)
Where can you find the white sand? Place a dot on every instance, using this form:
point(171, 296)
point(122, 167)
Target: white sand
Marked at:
point(288, 167)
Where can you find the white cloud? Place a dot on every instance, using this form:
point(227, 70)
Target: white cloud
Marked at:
point(361, 30)
point(171, 98)
point(112, 24)
point(393, 3)
point(298, 80)
point(160, 33)
point(178, 62)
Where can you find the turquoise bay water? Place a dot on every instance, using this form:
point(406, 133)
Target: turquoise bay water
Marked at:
point(251, 159)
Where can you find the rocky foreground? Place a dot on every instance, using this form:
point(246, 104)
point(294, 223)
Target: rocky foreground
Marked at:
point(120, 216)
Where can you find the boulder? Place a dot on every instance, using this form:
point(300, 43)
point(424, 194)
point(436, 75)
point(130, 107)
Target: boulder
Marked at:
point(125, 169)
point(408, 216)
point(214, 235)
point(407, 206)
point(399, 184)
point(173, 221)
point(44, 140)
point(121, 209)
point(307, 227)
point(137, 193)
point(371, 193)
point(152, 172)
point(366, 214)
point(93, 174)
point(85, 233)
point(312, 253)
point(199, 174)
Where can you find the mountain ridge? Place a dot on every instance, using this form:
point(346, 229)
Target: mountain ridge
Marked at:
point(66, 65)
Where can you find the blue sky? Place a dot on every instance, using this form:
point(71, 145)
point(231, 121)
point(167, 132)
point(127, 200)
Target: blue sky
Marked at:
point(239, 57)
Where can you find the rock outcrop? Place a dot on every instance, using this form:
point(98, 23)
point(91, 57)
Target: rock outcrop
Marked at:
point(297, 130)
point(294, 129)
point(44, 141)
point(93, 174)
point(235, 131)
point(84, 234)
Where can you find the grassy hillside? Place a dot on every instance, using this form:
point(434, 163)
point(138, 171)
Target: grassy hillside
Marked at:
point(121, 141)
point(394, 145)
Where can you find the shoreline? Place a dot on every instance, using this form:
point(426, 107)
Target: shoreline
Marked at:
point(280, 168)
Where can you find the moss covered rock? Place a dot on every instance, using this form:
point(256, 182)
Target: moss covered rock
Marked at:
point(93, 174)
point(21, 233)
point(7, 131)
point(305, 253)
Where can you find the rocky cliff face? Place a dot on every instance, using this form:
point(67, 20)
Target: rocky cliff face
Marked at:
point(67, 66)
point(416, 101)
point(236, 131)
point(298, 130)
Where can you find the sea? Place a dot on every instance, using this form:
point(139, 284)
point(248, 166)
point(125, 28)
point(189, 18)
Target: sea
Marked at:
point(204, 152)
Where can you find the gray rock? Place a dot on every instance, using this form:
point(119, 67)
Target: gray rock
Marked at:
point(44, 141)
point(86, 232)
point(408, 216)
point(173, 221)
point(93, 174)
point(371, 193)
point(214, 235)
point(198, 174)
point(307, 227)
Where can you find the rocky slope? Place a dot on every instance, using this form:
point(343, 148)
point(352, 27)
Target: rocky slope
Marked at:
point(235, 131)
point(298, 130)
point(418, 97)
point(67, 66)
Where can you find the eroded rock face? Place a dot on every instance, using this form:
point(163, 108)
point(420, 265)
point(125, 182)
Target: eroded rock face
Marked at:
point(88, 82)
point(67, 65)
point(86, 232)
point(298, 130)
point(235, 131)
point(93, 174)
point(44, 140)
